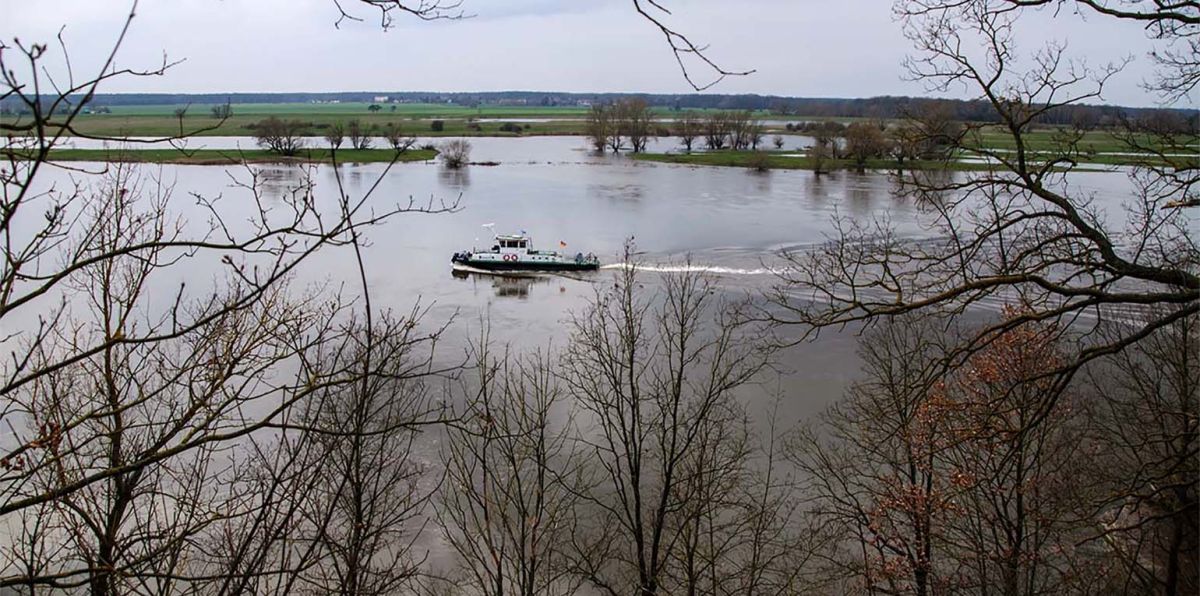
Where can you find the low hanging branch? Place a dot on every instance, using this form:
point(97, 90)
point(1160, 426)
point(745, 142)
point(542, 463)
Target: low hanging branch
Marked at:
point(426, 10)
point(682, 46)
point(651, 10)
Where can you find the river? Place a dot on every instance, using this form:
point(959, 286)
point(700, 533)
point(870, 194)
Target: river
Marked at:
point(730, 222)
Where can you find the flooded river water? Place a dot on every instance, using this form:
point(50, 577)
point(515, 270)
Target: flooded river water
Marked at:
point(730, 222)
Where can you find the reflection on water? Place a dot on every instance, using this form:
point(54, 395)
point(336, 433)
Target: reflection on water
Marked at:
point(456, 180)
point(278, 181)
point(762, 182)
point(618, 192)
point(859, 196)
point(509, 286)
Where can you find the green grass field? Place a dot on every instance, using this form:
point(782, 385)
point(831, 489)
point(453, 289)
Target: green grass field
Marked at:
point(407, 110)
point(1096, 141)
point(229, 157)
point(415, 119)
point(241, 125)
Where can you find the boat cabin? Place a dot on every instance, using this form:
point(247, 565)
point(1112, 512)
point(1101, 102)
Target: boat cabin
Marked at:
point(513, 244)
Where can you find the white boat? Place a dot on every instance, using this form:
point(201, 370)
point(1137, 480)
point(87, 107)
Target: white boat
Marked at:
point(515, 252)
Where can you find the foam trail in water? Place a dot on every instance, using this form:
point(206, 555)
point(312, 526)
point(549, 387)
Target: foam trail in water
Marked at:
point(506, 273)
point(691, 269)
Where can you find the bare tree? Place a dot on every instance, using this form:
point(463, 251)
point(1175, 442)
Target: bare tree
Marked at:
point(335, 135)
point(683, 47)
point(637, 121)
point(651, 376)
point(285, 137)
point(1174, 26)
point(931, 131)
point(104, 415)
point(618, 126)
point(1020, 226)
point(222, 111)
point(1144, 459)
point(600, 126)
point(864, 142)
point(509, 506)
point(755, 134)
point(739, 123)
point(777, 141)
point(779, 542)
point(710, 519)
point(743, 532)
point(131, 385)
point(873, 469)
point(1021, 494)
point(455, 153)
point(358, 134)
point(425, 10)
point(819, 154)
point(687, 128)
point(394, 134)
point(373, 491)
point(716, 130)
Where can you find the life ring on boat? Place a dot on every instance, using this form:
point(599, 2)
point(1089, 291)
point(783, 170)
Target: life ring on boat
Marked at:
point(510, 257)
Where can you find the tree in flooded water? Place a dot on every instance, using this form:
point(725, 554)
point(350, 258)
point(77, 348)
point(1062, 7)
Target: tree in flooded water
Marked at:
point(455, 153)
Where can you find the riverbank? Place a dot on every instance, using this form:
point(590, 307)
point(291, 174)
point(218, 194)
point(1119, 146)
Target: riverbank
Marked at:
point(235, 156)
point(791, 160)
point(783, 160)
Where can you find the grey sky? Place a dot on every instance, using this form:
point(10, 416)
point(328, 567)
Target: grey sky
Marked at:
point(813, 48)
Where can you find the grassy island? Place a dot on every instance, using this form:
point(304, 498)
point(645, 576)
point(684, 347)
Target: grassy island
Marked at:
point(235, 156)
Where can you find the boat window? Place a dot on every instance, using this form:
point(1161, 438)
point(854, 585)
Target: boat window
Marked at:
point(521, 244)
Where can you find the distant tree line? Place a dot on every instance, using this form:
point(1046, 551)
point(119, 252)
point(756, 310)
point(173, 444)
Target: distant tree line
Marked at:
point(885, 107)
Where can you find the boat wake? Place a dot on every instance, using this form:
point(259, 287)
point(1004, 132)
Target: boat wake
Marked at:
point(656, 268)
point(714, 269)
point(505, 273)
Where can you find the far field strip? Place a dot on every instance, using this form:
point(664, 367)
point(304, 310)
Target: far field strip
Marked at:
point(446, 120)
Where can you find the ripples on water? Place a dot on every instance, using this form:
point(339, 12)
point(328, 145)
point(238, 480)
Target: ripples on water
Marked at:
point(730, 223)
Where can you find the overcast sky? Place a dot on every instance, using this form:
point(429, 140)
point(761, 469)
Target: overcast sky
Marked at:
point(810, 48)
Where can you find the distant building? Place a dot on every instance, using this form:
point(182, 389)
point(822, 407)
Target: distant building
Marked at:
point(381, 99)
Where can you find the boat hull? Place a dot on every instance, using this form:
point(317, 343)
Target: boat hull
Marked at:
point(493, 265)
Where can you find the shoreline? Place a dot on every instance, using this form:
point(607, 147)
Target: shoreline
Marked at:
point(761, 160)
point(790, 160)
point(233, 156)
